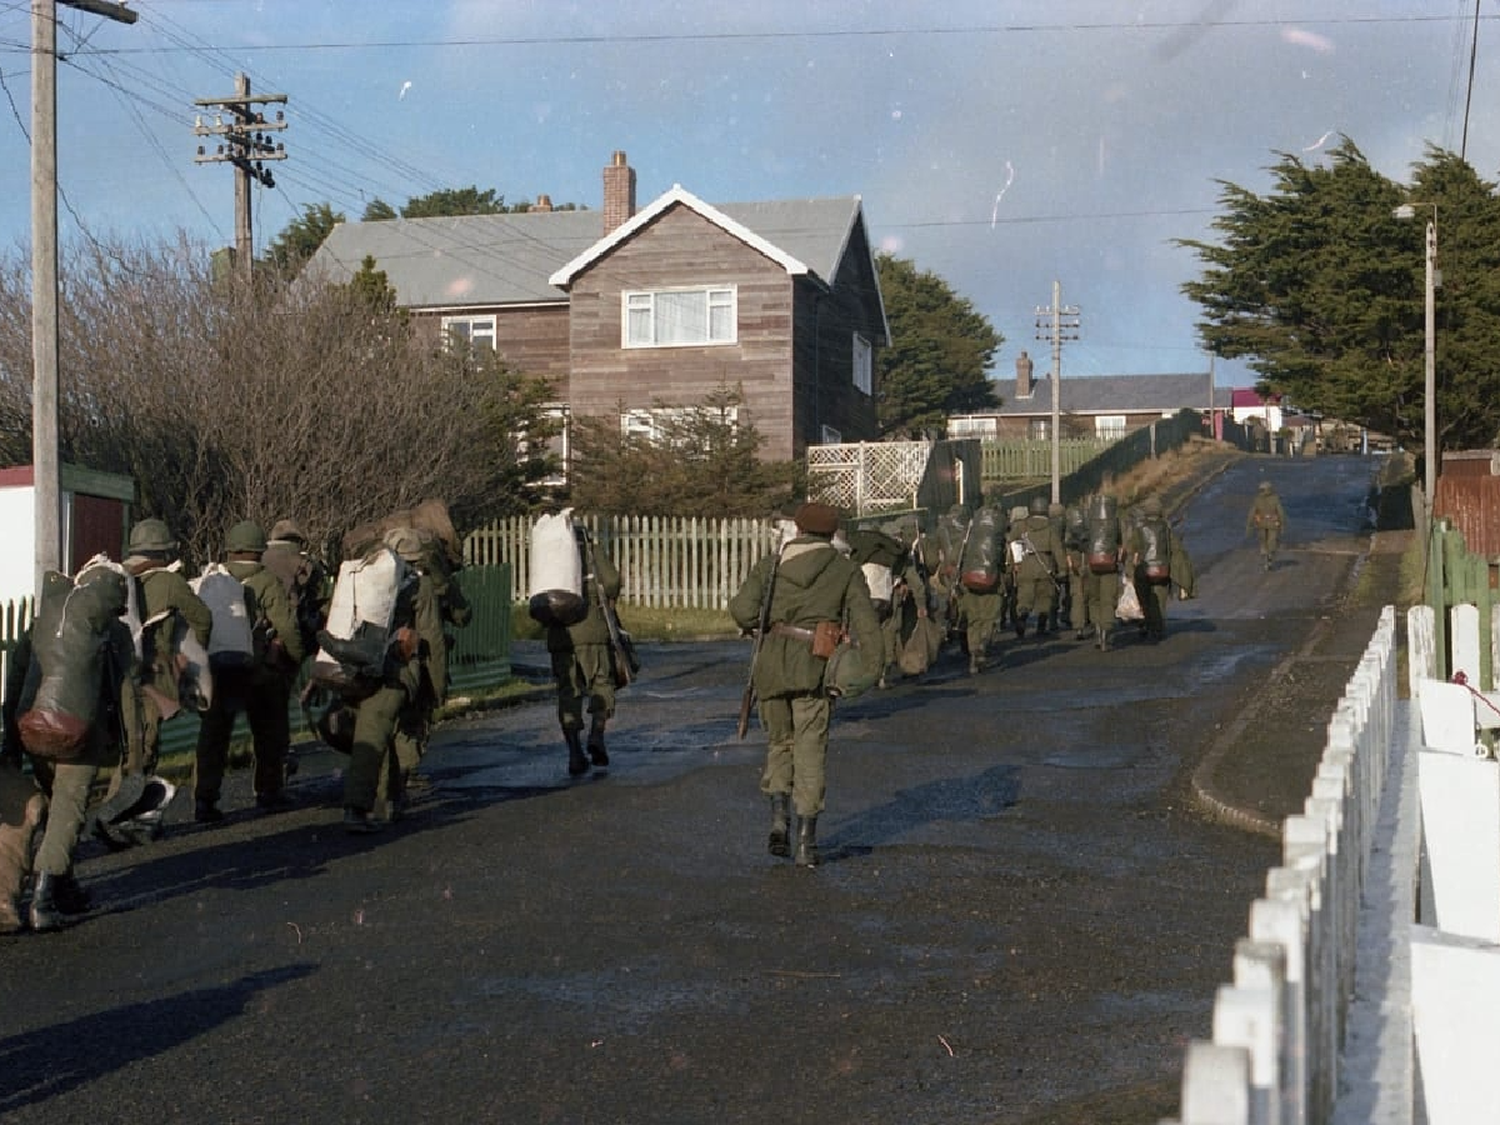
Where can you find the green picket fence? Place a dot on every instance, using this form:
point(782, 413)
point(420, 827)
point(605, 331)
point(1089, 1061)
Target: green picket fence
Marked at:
point(1029, 459)
point(1457, 576)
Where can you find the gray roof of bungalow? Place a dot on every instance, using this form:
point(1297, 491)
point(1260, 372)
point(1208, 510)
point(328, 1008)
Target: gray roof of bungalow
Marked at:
point(510, 259)
point(1112, 394)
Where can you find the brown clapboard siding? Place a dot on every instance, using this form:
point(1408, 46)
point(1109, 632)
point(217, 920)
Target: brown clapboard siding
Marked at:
point(530, 339)
point(681, 248)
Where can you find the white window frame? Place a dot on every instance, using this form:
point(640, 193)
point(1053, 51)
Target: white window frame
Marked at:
point(863, 363)
point(973, 426)
point(651, 423)
point(477, 330)
point(638, 305)
point(1110, 425)
point(830, 436)
point(1039, 429)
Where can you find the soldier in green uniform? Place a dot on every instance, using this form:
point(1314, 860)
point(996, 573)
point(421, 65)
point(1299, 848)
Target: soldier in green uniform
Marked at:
point(814, 593)
point(1265, 520)
point(981, 576)
point(1156, 560)
point(262, 691)
point(418, 632)
point(309, 588)
point(163, 593)
point(1097, 571)
point(68, 783)
point(1036, 559)
point(583, 662)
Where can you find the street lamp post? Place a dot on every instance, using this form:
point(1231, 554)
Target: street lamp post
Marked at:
point(1429, 355)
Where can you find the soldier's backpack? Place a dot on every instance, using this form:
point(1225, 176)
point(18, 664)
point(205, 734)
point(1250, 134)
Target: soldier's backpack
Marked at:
point(353, 644)
point(231, 643)
point(877, 553)
point(70, 659)
point(979, 568)
point(1156, 540)
point(556, 597)
point(1104, 534)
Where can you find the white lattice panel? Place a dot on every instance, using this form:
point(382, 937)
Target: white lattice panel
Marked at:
point(869, 476)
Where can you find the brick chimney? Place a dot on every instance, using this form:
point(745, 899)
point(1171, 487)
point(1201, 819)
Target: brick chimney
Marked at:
point(1023, 376)
point(619, 192)
point(543, 203)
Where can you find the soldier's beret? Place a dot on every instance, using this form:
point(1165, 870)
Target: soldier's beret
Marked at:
point(817, 519)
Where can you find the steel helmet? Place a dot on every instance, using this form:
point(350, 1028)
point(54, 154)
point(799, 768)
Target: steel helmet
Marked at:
point(151, 535)
point(246, 536)
point(1039, 505)
point(287, 529)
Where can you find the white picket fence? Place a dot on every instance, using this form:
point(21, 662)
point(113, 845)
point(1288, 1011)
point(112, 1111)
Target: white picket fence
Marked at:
point(663, 561)
point(1342, 1009)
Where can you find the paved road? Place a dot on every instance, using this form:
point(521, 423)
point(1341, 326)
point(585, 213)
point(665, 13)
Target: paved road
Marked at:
point(1022, 915)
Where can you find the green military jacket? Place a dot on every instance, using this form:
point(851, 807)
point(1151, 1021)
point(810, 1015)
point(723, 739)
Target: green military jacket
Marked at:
point(593, 629)
point(1265, 511)
point(271, 612)
point(813, 583)
point(162, 589)
point(1041, 549)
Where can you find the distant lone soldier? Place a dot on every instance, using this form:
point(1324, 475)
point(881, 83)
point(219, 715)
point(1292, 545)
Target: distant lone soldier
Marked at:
point(1266, 519)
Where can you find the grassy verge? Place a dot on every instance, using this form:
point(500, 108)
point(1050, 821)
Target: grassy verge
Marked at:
point(646, 623)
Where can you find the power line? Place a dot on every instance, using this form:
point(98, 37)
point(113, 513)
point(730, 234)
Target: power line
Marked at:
point(848, 33)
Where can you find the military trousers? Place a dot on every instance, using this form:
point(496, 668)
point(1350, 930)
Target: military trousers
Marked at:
point(1094, 603)
point(264, 697)
point(1035, 593)
point(22, 807)
point(585, 680)
point(797, 749)
point(68, 786)
point(981, 614)
point(373, 752)
point(1154, 598)
point(1270, 541)
point(142, 719)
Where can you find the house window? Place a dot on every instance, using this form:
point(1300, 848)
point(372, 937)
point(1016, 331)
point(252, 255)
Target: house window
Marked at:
point(863, 364)
point(972, 427)
point(675, 318)
point(1110, 425)
point(1038, 429)
point(476, 331)
point(831, 436)
point(672, 425)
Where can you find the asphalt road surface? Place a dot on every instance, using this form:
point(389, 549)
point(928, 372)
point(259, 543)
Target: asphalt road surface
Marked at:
point(1022, 913)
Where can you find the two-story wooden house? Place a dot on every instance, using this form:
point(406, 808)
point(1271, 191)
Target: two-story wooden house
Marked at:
point(629, 311)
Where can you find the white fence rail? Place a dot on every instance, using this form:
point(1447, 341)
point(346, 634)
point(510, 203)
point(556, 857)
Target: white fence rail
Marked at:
point(663, 561)
point(1343, 1009)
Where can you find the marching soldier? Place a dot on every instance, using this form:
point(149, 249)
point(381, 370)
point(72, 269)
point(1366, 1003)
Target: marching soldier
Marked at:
point(801, 599)
point(1266, 519)
point(1036, 559)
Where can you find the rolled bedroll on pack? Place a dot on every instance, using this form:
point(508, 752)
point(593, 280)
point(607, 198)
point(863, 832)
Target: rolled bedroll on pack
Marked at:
point(430, 516)
point(979, 569)
point(69, 651)
point(556, 596)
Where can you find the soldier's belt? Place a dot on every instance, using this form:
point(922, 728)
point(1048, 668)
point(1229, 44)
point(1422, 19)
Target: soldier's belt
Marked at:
point(792, 632)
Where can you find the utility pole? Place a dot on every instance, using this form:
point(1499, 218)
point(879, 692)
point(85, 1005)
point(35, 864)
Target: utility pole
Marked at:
point(1057, 323)
point(247, 144)
point(46, 489)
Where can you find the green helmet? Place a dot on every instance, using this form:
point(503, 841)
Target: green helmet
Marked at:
point(247, 536)
point(151, 535)
point(1039, 505)
point(288, 529)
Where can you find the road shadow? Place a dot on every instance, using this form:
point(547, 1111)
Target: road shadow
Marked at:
point(952, 799)
point(38, 1065)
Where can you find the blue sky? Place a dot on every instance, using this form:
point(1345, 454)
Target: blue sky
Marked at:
point(1002, 145)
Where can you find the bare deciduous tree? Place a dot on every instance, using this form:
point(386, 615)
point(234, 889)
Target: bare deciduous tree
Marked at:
point(281, 400)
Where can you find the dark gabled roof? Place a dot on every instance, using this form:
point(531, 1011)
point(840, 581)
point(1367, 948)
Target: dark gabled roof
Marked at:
point(528, 257)
point(1114, 394)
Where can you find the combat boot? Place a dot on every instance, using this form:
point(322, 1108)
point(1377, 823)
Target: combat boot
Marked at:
point(780, 841)
point(45, 914)
point(1020, 625)
point(69, 895)
point(807, 842)
point(578, 763)
point(597, 754)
